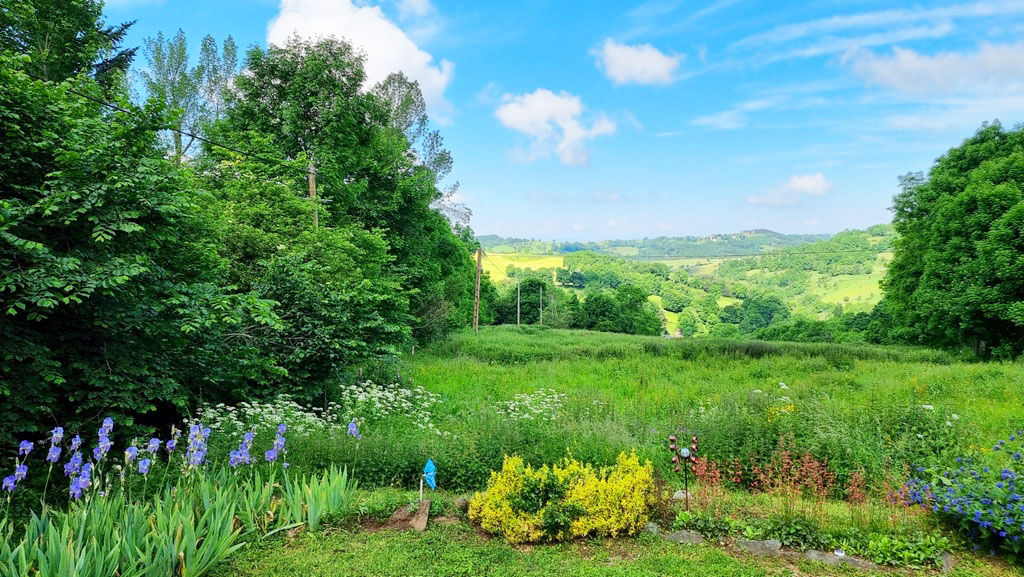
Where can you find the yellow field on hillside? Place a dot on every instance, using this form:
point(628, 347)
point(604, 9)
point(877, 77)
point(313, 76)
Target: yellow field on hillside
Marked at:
point(495, 264)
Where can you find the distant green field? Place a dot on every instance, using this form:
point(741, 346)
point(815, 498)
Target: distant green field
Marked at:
point(495, 264)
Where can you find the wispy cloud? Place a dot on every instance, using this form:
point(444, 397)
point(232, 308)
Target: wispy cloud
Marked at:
point(735, 117)
point(990, 67)
point(883, 18)
point(844, 45)
point(793, 190)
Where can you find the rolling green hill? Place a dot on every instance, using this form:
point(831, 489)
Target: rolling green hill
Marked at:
point(815, 278)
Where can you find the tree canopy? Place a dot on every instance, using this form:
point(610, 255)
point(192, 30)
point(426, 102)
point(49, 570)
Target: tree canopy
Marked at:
point(957, 276)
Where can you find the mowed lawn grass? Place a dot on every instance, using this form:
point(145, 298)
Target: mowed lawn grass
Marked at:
point(457, 549)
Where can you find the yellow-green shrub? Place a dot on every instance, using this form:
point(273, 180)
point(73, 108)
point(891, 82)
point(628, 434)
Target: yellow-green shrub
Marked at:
point(566, 500)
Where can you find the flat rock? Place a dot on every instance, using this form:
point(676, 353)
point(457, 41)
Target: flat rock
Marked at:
point(462, 504)
point(653, 528)
point(770, 547)
point(686, 537)
point(419, 521)
point(833, 559)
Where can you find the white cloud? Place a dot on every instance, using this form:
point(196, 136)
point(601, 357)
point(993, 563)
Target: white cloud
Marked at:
point(637, 64)
point(553, 122)
point(793, 190)
point(990, 67)
point(388, 48)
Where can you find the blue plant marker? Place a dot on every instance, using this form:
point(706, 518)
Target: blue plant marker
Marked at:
point(430, 474)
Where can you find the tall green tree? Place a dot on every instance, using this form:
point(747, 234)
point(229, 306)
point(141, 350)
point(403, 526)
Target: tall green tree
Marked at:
point(218, 69)
point(170, 80)
point(957, 276)
point(65, 38)
point(112, 299)
point(309, 96)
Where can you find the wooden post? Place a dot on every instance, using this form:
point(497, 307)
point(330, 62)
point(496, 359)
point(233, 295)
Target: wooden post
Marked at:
point(518, 294)
point(476, 300)
point(312, 195)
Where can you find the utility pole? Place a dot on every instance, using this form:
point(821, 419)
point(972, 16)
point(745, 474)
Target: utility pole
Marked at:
point(517, 300)
point(542, 304)
point(476, 300)
point(312, 195)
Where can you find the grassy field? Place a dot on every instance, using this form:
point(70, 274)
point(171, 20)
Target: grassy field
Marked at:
point(543, 394)
point(455, 549)
point(664, 383)
point(496, 264)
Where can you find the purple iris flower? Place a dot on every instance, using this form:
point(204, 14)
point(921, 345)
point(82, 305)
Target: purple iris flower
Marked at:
point(153, 446)
point(20, 472)
point(130, 453)
point(353, 430)
point(271, 455)
point(144, 466)
point(56, 435)
point(74, 465)
point(76, 442)
point(171, 445)
point(10, 483)
point(25, 448)
point(54, 454)
point(281, 429)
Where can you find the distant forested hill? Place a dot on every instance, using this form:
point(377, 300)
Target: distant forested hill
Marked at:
point(751, 242)
point(812, 289)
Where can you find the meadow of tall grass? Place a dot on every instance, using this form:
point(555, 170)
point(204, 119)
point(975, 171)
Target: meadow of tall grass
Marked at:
point(544, 394)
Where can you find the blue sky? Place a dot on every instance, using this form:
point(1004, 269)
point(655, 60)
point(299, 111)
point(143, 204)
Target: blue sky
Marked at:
point(584, 120)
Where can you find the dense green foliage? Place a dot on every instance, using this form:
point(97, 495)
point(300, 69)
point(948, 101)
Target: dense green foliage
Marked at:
point(65, 39)
point(138, 283)
point(623, 310)
point(957, 276)
point(105, 257)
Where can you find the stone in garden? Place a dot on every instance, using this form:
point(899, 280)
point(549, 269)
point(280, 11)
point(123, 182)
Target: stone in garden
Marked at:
point(833, 559)
point(947, 562)
point(680, 495)
point(653, 528)
point(419, 521)
point(770, 547)
point(686, 537)
point(401, 515)
point(462, 504)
